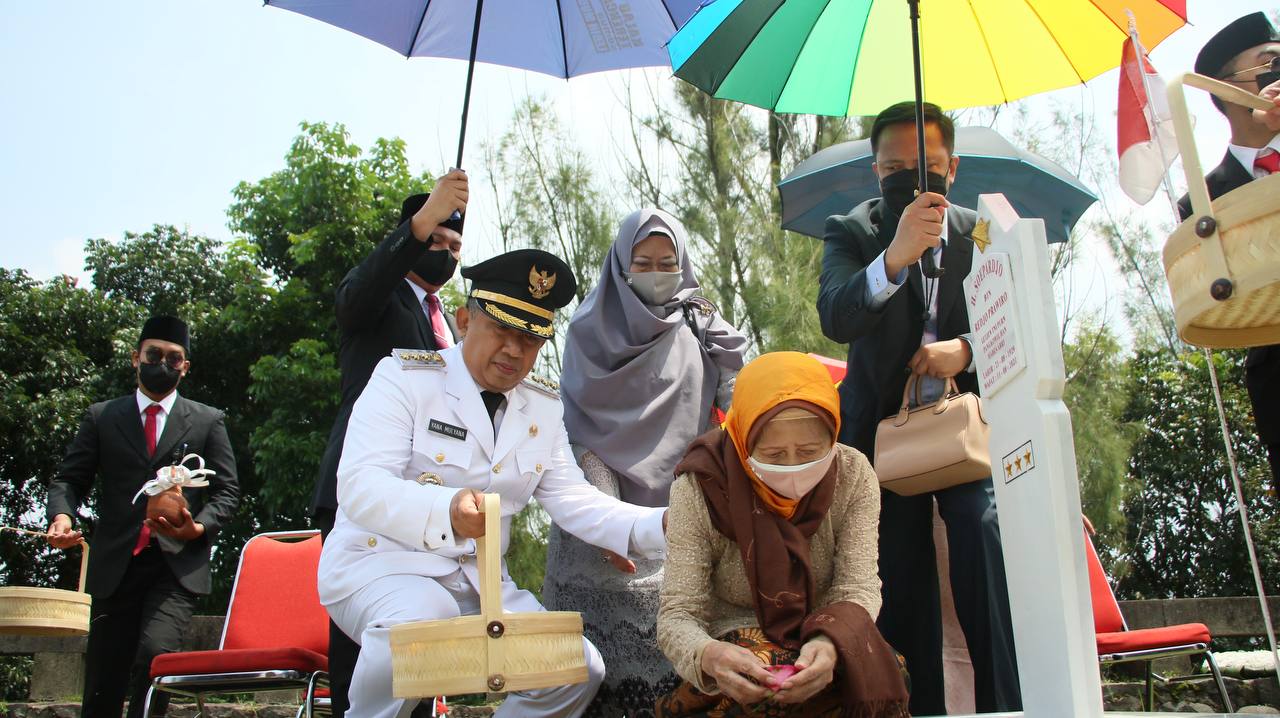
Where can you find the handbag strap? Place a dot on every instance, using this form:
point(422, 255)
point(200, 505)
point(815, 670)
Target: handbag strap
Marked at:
point(488, 554)
point(84, 551)
point(913, 386)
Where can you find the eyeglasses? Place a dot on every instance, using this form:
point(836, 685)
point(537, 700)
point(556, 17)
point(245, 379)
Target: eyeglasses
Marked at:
point(1273, 65)
point(174, 359)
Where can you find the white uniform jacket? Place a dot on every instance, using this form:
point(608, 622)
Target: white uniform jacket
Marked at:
point(424, 422)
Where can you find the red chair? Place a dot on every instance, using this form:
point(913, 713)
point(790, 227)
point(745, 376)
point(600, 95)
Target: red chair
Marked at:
point(1117, 644)
point(276, 636)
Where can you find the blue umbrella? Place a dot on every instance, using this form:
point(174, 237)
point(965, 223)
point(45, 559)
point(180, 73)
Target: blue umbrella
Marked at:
point(554, 37)
point(838, 178)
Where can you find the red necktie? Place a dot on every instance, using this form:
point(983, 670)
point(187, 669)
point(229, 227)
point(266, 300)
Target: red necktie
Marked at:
point(438, 326)
point(149, 428)
point(1269, 160)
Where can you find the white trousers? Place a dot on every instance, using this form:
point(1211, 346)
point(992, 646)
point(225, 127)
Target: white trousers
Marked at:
point(368, 615)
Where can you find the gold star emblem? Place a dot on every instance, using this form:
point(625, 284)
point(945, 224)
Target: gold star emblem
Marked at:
point(540, 283)
point(982, 234)
point(1008, 469)
point(1027, 458)
point(1017, 463)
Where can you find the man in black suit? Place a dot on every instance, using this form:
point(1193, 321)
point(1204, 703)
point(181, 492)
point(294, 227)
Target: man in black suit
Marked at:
point(145, 577)
point(1242, 53)
point(388, 301)
point(873, 296)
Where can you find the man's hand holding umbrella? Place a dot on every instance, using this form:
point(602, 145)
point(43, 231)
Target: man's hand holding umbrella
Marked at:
point(448, 196)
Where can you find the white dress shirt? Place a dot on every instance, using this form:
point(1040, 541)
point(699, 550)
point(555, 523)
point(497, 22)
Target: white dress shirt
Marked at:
point(166, 406)
point(1247, 155)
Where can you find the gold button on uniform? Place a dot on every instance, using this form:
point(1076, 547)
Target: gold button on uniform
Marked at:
point(537, 469)
point(440, 458)
point(373, 542)
point(497, 469)
point(533, 430)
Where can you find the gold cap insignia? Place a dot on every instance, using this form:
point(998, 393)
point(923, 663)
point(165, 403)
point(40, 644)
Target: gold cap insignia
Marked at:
point(982, 234)
point(540, 283)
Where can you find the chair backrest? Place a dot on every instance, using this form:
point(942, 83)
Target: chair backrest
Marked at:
point(1106, 611)
point(274, 603)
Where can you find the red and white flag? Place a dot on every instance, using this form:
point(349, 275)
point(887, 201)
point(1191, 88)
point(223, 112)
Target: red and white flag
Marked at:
point(1144, 127)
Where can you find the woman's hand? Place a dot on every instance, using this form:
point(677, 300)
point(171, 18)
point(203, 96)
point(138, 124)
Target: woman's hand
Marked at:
point(737, 671)
point(817, 664)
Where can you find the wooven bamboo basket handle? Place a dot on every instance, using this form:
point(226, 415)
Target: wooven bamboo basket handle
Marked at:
point(1206, 226)
point(488, 554)
point(84, 551)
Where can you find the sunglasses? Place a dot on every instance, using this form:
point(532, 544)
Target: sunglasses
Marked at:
point(174, 359)
point(1272, 65)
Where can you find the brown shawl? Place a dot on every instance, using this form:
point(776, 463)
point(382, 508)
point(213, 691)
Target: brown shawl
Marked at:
point(775, 554)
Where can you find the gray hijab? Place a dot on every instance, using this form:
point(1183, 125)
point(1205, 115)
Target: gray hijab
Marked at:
point(637, 384)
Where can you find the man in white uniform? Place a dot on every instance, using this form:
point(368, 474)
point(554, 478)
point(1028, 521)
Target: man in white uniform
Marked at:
point(430, 433)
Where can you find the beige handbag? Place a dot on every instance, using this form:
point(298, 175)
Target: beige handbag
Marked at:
point(492, 651)
point(1223, 262)
point(933, 447)
point(30, 611)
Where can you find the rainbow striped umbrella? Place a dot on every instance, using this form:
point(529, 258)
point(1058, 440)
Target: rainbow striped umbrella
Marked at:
point(854, 57)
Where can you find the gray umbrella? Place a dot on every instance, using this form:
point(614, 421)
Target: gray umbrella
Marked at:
point(838, 178)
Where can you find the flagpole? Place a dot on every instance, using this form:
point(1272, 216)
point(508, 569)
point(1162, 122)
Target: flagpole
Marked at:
point(1236, 484)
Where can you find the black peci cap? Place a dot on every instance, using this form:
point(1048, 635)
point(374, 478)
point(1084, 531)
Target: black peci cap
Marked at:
point(1247, 32)
point(522, 289)
point(166, 329)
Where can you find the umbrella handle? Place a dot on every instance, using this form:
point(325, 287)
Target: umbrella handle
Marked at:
point(466, 95)
point(928, 265)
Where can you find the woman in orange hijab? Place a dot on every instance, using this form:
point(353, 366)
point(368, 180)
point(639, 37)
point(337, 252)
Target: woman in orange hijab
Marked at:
point(771, 589)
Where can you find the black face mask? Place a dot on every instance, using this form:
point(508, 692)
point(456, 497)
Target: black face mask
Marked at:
point(1267, 78)
point(435, 267)
point(899, 189)
point(158, 378)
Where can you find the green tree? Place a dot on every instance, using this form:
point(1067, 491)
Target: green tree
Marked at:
point(62, 348)
point(1098, 392)
point(1182, 526)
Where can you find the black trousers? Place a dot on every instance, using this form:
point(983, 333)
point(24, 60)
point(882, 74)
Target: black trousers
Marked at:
point(145, 616)
point(911, 619)
point(343, 652)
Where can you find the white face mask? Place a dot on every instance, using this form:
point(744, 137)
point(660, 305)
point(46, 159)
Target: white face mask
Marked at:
point(654, 288)
point(793, 482)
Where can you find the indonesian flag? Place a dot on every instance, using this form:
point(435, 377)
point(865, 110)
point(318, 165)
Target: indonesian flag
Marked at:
point(1144, 127)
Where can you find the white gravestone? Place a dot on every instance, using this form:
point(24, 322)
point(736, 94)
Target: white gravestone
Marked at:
point(1018, 359)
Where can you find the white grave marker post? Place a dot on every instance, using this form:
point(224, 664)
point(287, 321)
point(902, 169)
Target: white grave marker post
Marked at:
point(1018, 359)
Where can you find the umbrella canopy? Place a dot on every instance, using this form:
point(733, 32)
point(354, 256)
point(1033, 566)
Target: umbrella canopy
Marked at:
point(838, 178)
point(564, 39)
point(549, 36)
point(854, 57)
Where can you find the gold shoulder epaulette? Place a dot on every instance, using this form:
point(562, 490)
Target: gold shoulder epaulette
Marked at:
point(418, 359)
point(544, 385)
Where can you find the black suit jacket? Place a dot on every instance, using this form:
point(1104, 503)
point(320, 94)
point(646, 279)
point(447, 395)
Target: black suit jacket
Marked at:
point(111, 448)
point(882, 342)
point(377, 312)
point(1262, 364)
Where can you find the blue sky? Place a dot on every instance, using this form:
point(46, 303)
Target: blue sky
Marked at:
point(121, 115)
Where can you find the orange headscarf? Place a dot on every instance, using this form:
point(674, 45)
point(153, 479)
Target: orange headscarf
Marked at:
point(770, 383)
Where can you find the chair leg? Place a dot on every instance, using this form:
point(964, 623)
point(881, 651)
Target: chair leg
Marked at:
point(146, 703)
point(1217, 678)
point(1149, 702)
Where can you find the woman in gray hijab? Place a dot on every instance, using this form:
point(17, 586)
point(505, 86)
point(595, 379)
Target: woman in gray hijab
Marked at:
point(647, 361)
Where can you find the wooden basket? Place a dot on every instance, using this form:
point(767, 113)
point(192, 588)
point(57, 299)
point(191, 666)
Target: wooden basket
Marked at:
point(1223, 262)
point(46, 611)
point(492, 651)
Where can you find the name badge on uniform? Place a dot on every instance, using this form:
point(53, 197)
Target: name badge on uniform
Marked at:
point(449, 430)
